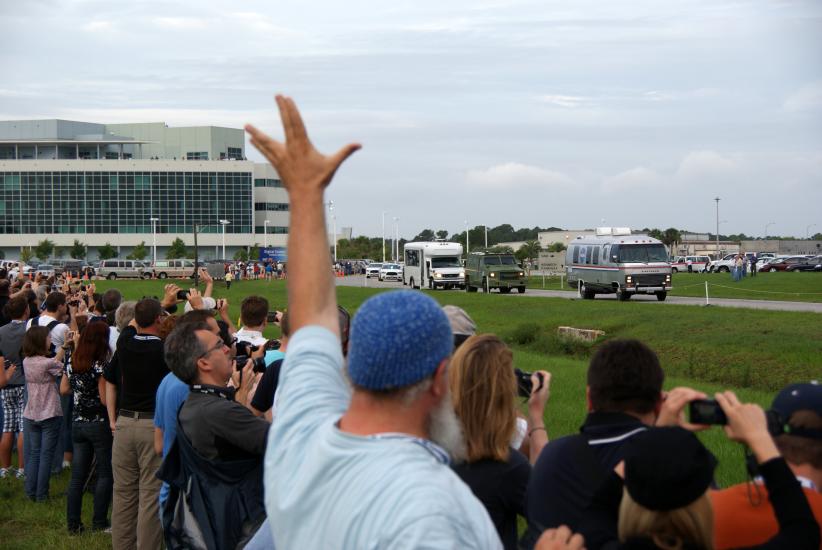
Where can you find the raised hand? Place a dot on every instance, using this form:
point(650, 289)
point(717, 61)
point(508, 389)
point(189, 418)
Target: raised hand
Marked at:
point(301, 167)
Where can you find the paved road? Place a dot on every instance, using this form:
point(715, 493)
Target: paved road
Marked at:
point(358, 280)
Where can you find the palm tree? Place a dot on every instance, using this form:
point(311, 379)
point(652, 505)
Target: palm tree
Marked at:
point(531, 250)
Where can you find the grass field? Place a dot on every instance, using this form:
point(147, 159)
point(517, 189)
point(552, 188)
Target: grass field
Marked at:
point(794, 287)
point(753, 352)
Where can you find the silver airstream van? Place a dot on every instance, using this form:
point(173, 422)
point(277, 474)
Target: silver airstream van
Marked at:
point(616, 262)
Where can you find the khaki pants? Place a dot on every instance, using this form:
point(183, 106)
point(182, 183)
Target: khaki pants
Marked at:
point(135, 514)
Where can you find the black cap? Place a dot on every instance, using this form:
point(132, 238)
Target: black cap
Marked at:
point(667, 468)
point(799, 397)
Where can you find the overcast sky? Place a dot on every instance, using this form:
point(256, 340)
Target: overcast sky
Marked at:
point(549, 113)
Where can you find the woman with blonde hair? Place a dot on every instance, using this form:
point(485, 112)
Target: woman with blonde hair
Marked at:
point(484, 393)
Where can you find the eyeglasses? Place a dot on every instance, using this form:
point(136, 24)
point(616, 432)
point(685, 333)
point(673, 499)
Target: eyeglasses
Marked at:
point(218, 346)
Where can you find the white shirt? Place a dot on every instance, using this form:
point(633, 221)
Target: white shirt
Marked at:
point(58, 333)
point(253, 337)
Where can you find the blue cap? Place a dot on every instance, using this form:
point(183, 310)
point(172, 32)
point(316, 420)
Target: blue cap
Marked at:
point(397, 339)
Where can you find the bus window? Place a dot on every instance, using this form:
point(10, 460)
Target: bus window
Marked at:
point(576, 255)
point(596, 255)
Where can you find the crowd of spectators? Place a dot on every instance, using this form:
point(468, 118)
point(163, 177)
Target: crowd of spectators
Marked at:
point(399, 428)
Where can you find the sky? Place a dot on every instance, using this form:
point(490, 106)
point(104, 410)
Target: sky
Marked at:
point(574, 113)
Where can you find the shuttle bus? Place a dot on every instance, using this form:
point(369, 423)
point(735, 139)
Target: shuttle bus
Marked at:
point(433, 265)
point(613, 261)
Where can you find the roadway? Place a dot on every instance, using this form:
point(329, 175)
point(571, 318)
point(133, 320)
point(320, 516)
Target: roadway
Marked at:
point(360, 281)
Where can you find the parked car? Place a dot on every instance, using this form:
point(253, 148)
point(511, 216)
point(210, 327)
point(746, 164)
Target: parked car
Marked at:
point(46, 270)
point(390, 272)
point(814, 263)
point(373, 270)
point(784, 264)
point(15, 271)
point(122, 269)
point(725, 264)
point(699, 264)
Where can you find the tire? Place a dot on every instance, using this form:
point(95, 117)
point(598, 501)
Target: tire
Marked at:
point(504, 290)
point(163, 275)
point(724, 269)
point(521, 289)
point(772, 270)
point(584, 293)
point(660, 296)
point(623, 296)
point(112, 276)
point(674, 270)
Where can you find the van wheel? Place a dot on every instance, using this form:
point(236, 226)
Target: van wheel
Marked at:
point(623, 296)
point(772, 270)
point(504, 290)
point(163, 275)
point(660, 296)
point(725, 269)
point(674, 270)
point(111, 276)
point(521, 289)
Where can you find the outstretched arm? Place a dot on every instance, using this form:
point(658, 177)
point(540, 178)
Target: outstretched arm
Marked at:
point(305, 173)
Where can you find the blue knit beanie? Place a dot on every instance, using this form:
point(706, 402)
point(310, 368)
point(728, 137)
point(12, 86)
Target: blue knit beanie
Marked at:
point(397, 339)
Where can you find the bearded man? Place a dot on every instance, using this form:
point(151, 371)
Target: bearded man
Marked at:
point(360, 462)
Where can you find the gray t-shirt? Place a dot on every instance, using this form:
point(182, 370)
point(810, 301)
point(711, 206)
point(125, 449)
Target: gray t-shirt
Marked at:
point(11, 340)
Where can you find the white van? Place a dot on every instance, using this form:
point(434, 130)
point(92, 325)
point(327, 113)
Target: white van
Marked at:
point(613, 261)
point(121, 269)
point(435, 264)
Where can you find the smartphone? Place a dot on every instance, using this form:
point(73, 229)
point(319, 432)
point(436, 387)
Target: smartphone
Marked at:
point(182, 295)
point(70, 336)
point(273, 316)
point(706, 411)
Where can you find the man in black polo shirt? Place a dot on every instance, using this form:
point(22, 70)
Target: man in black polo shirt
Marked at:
point(624, 396)
point(132, 377)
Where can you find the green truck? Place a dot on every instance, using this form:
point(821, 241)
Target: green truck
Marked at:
point(486, 271)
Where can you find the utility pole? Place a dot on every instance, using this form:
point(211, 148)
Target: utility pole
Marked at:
point(383, 236)
point(717, 227)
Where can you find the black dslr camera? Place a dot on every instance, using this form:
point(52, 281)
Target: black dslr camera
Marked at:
point(525, 386)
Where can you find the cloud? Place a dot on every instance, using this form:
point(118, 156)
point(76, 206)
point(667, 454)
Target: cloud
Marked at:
point(513, 175)
point(181, 23)
point(639, 178)
point(98, 26)
point(699, 166)
point(570, 101)
point(806, 98)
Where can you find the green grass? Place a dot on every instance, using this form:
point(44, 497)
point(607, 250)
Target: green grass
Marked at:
point(750, 351)
point(791, 287)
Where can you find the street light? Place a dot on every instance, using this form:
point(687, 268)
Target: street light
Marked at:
point(154, 239)
point(265, 234)
point(486, 236)
point(808, 230)
point(467, 248)
point(396, 239)
point(334, 227)
point(767, 225)
point(224, 223)
point(717, 227)
point(383, 236)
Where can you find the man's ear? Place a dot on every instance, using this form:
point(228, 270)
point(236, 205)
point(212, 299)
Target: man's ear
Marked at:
point(588, 399)
point(439, 387)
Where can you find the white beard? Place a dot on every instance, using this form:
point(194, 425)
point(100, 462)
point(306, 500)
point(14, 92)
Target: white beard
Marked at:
point(445, 429)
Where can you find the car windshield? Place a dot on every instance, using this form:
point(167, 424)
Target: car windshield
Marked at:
point(390, 266)
point(374, 266)
point(642, 253)
point(445, 261)
point(500, 260)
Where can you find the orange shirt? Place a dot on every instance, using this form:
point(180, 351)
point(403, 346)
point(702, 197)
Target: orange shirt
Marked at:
point(737, 523)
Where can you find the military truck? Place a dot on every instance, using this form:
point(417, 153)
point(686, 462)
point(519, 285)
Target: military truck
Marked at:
point(488, 270)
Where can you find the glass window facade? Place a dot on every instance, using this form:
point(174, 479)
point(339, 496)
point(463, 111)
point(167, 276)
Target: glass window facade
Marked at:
point(272, 229)
point(259, 182)
point(271, 206)
point(124, 202)
point(197, 155)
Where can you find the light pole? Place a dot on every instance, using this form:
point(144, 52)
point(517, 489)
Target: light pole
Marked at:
point(334, 229)
point(486, 236)
point(224, 223)
point(383, 235)
point(767, 225)
point(396, 239)
point(154, 239)
point(467, 248)
point(265, 234)
point(808, 230)
point(717, 227)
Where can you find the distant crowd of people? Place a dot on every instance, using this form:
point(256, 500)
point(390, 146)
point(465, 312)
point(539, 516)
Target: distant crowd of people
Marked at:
point(398, 428)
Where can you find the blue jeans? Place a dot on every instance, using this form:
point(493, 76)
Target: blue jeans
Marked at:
point(92, 440)
point(41, 440)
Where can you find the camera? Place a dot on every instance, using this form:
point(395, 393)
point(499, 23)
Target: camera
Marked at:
point(272, 345)
point(525, 385)
point(273, 317)
point(706, 411)
point(259, 363)
point(182, 295)
point(244, 348)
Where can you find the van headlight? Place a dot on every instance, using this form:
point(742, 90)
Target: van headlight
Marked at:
point(462, 273)
point(492, 275)
point(437, 275)
point(521, 274)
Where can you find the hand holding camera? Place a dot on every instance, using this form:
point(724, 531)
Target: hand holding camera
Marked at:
point(748, 424)
point(672, 411)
